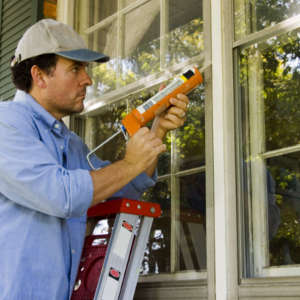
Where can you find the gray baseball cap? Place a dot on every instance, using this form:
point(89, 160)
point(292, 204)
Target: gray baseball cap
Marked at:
point(50, 36)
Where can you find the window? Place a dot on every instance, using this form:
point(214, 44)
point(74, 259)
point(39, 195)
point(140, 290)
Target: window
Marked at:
point(149, 41)
point(268, 100)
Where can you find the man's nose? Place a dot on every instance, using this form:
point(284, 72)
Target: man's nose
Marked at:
point(86, 79)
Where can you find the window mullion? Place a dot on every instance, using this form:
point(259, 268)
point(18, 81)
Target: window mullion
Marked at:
point(120, 40)
point(258, 169)
point(164, 30)
point(175, 208)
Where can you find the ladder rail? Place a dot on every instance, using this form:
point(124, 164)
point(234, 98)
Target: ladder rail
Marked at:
point(115, 262)
point(135, 260)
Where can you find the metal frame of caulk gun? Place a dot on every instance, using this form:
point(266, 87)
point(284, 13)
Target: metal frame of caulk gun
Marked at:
point(122, 129)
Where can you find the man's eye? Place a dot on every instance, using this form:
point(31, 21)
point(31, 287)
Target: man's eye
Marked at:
point(75, 69)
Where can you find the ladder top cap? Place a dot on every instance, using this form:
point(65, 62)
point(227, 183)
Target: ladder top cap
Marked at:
point(124, 205)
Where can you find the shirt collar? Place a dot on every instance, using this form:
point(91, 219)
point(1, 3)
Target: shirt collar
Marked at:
point(39, 111)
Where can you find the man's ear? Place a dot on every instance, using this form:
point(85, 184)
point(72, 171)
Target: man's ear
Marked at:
point(38, 77)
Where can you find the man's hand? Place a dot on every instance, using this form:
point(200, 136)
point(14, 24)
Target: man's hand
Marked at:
point(143, 149)
point(172, 118)
point(141, 155)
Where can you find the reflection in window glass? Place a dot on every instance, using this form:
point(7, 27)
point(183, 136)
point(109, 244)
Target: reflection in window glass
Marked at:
point(274, 79)
point(104, 75)
point(128, 2)
point(284, 209)
point(190, 139)
point(134, 41)
point(192, 239)
point(142, 43)
point(252, 16)
point(270, 93)
point(185, 37)
point(100, 9)
point(157, 255)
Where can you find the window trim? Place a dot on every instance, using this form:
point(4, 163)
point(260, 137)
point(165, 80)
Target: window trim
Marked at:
point(225, 181)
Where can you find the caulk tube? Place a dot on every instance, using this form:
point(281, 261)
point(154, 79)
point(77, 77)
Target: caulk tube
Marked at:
point(160, 101)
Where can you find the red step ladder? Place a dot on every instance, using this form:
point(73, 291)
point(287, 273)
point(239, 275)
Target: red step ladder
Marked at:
point(110, 263)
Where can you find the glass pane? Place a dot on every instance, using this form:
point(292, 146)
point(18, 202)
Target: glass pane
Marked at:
point(104, 126)
point(270, 77)
point(190, 139)
point(192, 240)
point(104, 75)
point(141, 43)
point(100, 9)
point(185, 37)
point(255, 15)
point(157, 255)
point(284, 209)
point(128, 2)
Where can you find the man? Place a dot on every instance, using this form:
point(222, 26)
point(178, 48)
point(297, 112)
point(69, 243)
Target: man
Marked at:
point(46, 184)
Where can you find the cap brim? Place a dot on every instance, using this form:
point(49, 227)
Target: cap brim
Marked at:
point(84, 55)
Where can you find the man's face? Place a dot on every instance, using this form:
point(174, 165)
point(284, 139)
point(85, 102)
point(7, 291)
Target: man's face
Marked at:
point(66, 88)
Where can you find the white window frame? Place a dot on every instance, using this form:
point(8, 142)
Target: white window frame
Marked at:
point(258, 236)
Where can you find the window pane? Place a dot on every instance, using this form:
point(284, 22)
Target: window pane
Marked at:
point(141, 43)
point(100, 9)
point(185, 38)
point(252, 16)
point(270, 74)
point(190, 139)
point(284, 209)
point(192, 239)
point(103, 75)
point(128, 2)
point(104, 126)
point(269, 89)
point(157, 255)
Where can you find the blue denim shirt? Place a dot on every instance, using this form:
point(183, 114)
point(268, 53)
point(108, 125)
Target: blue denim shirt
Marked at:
point(45, 191)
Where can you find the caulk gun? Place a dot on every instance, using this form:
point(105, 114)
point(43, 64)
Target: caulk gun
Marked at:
point(146, 112)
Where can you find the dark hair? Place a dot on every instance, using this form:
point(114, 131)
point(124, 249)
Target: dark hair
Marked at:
point(21, 72)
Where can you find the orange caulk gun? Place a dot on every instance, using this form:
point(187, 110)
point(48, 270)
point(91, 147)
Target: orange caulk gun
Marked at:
point(146, 112)
point(160, 102)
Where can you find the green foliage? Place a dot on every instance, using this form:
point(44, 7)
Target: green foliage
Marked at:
point(255, 15)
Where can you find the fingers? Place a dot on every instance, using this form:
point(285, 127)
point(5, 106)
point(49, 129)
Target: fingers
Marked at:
point(175, 120)
point(177, 112)
point(143, 149)
point(153, 143)
point(180, 101)
point(147, 141)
